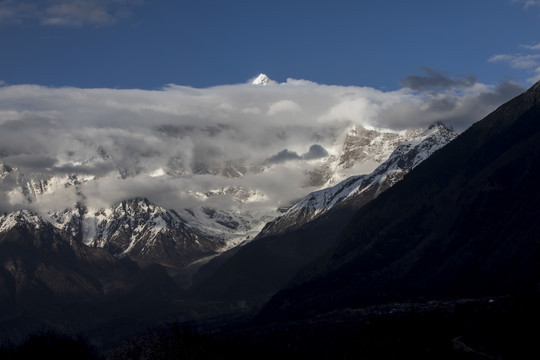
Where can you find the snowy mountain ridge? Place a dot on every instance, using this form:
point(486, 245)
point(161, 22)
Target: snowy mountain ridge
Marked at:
point(144, 230)
point(403, 159)
point(20, 217)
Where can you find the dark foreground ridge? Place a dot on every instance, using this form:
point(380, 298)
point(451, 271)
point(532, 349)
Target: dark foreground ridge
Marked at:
point(500, 328)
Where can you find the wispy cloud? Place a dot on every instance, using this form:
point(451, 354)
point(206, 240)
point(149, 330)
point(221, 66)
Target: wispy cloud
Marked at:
point(529, 62)
point(531, 47)
point(68, 13)
point(518, 61)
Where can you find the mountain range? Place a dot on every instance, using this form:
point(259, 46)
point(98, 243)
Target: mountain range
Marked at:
point(395, 218)
point(175, 238)
point(189, 244)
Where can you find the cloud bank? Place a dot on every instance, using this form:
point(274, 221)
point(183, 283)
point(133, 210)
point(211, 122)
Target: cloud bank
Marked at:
point(171, 143)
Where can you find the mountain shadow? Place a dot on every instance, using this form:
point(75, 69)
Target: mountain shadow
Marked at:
point(464, 223)
point(252, 274)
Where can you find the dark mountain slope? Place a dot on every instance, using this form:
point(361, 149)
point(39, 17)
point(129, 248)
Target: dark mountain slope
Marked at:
point(49, 279)
point(309, 228)
point(465, 222)
point(262, 267)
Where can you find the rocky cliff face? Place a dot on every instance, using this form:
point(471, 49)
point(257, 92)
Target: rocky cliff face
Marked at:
point(362, 151)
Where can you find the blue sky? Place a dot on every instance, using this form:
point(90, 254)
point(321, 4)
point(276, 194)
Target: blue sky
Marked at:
point(384, 44)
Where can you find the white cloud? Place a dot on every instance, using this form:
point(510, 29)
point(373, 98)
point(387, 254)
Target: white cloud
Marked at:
point(283, 106)
point(354, 110)
point(185, 134)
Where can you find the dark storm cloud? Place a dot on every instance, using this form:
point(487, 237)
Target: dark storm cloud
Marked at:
point(282, 156)
point(434, 79)
point(316, 151)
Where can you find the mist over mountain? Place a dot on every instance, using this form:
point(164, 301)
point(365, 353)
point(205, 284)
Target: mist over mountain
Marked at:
point(209, 163)
point(169, 144)
point(464, 223)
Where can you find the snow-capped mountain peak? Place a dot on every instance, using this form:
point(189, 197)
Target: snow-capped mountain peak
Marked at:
point(262, 79)
point(20, 217)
